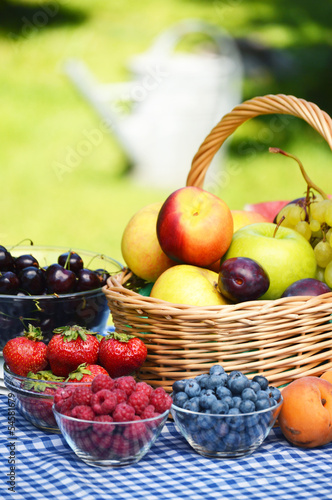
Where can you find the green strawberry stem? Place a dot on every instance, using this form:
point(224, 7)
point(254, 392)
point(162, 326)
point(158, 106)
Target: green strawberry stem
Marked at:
point(121, 337)
point(34, 333)
point(72, 332)
point(79, 373)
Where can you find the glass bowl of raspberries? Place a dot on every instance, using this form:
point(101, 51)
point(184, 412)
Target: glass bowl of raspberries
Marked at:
point(225, 415)
point(34, 397)
point(112, 423)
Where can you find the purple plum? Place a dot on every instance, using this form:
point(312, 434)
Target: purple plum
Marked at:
point(306, 286)
point(242, 279)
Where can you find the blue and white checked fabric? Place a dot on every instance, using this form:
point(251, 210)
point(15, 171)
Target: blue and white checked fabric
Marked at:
point(47, 469)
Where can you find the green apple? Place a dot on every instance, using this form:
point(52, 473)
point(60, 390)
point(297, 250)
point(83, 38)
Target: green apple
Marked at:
point(187, 284)
point(284, 254)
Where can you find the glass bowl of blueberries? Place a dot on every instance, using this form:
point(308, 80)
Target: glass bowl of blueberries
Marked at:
point(49, 287)
point(225, 415)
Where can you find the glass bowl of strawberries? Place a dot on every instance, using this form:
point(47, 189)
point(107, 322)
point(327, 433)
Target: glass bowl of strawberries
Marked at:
point(51, 286)
point(112, 423)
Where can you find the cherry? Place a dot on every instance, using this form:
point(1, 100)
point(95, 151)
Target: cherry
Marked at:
point(9, 283)
point(71, 260)
point(87, 280)
point(25, 261)
point(7, 262)
point(32, 280)
point(60, 280)
point(103, 275)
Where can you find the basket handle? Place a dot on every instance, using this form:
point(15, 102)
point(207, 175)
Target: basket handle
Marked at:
point(266, 105)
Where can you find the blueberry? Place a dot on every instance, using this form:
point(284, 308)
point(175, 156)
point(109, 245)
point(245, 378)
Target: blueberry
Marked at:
point(180, 398)
point(262, 404)
point(216, 370)
point(252, 420)
point(202, 379)
point(254, 386)
point(232, 441)
point(215, 381)
point(236, 401)
point(179, 385)
point(221, 428)
point(228, 400)
point(237, 422)
point(223, 391)
point(249, 394)
point(205, 421)
point(262, 395)
point(276, 394)
point(238, 383)
point(206, 401)
point(192, 388)
point(247, 406)
point(192, 404)
point(219, 407)
point(263, 382)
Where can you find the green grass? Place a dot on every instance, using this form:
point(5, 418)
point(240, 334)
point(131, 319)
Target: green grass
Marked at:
point(43, 119)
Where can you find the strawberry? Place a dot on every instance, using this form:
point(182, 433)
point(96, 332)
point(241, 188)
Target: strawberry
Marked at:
point(86, 373)
point(121, 354)
point(26, 354)
point(69, 347)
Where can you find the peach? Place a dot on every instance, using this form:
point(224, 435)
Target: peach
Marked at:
point(140, 247)
point(305, 418)
point(243, 218)
point(327, 376)
point(194, 227)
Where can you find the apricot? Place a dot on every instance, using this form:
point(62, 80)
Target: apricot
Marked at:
point(305, 418)
point(327, 375)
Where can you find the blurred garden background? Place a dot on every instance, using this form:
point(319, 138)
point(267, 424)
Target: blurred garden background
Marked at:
point(286, 47)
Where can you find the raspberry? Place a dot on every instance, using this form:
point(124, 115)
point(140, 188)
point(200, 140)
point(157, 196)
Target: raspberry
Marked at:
point(123, 413)
point(121, 396)
point(139, 400)
point(127, 384)
point(148, 412)
point(64, 407)
point(102, 381)
point(83, 412)
point(61, 394)
point(81, 396)
point(101, 429)
point(161, 400)
point(103, 402)
point(135, 431)
point(102, 444)
point(146, 388)
point(122, 448)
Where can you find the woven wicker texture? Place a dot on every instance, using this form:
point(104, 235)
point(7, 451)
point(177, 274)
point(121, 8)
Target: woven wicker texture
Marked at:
point(284, 339)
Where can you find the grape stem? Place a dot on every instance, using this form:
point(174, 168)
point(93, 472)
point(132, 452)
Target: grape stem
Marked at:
point(311, 185)
point(278, 225)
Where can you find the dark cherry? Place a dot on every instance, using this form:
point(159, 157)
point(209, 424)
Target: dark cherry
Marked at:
point(9, 283)
point(103, 276)
point(241, 279)
point(73, 263)
point(60, 280)
point(87, 280)
point(7, 262)
point(306, 286)
point(25, 261)
point(32, 280)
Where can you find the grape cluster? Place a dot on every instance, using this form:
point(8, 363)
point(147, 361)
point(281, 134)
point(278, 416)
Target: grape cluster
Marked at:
point(312, 218)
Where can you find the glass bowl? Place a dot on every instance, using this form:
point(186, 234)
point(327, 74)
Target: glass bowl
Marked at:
point(88, 309)
point(225, 436)
point(34, 398)
point(110, 444)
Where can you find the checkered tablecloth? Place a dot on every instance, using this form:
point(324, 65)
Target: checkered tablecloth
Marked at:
point(47, 469)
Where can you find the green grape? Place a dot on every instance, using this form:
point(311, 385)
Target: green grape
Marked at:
point(303, 228)
point(295, 214)
point(328, 213)
point(323, 253)
point(318, 210)
point(320, 271)
point(328, 275)
point(314, 225)
point(284, 212)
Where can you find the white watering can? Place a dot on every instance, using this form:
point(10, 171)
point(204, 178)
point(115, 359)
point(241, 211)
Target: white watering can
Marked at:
point(174, 99)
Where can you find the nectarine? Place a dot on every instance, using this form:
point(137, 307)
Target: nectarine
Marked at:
point(305, 418)
point(194, 227)
point(327, 375)
point(244, 217)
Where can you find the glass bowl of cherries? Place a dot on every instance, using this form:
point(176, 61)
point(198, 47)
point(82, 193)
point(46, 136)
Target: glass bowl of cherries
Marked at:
point(50, 287)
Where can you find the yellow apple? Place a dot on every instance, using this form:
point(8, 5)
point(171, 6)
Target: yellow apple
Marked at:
point(140, 248)
point(187, 284)
point(243, 218)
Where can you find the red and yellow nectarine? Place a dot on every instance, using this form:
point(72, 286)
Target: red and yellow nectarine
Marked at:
point(305, 418)
point(194, 227)
point(327, 376)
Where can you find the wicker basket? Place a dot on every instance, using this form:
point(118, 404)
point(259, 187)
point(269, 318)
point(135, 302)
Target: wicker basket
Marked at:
point(284, 339)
